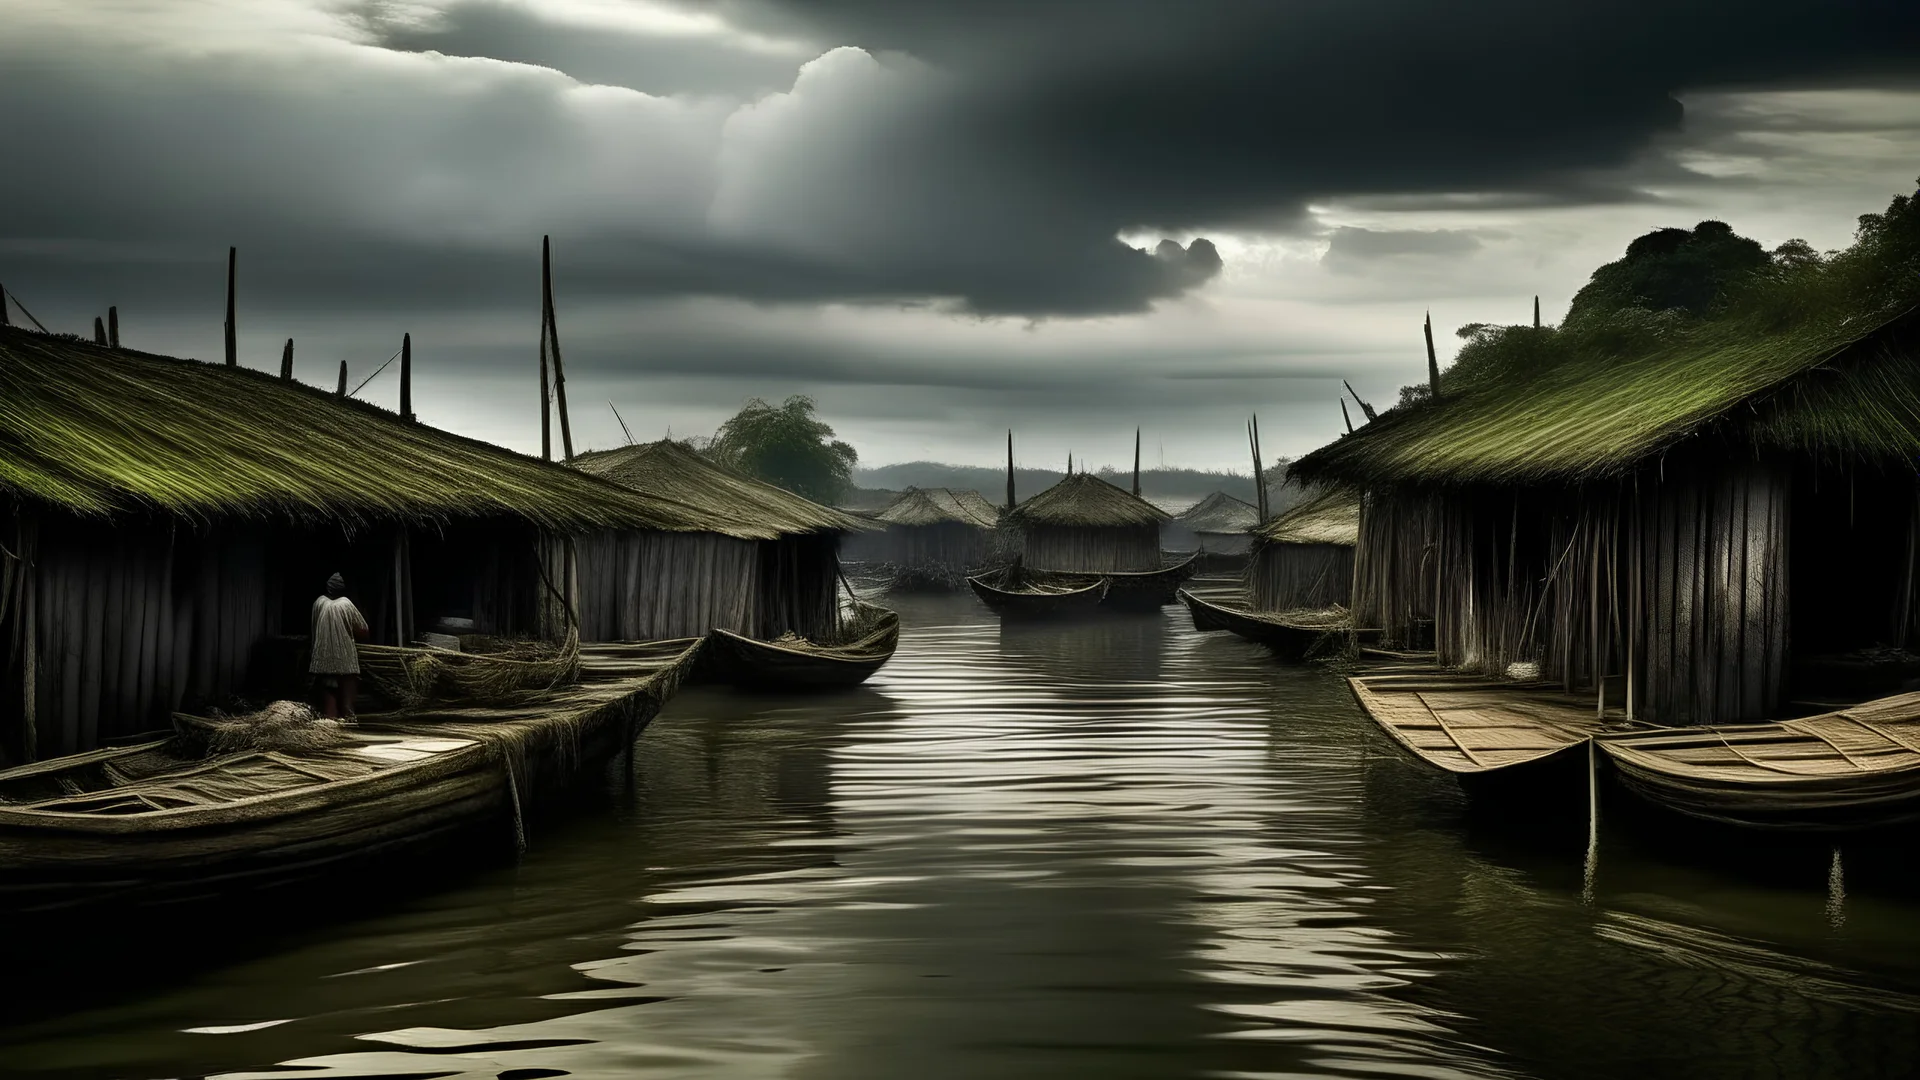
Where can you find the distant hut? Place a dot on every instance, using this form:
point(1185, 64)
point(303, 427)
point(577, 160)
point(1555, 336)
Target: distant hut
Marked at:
point(1303, 559)
point(1695, 532)
point(935, 536)
point(1086, 525)
point(758, 560)
point(165, 526)
point(1218, 525)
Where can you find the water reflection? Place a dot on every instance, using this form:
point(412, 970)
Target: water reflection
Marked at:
point(1119, 849)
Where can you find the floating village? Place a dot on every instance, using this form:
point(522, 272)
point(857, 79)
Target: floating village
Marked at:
point(1672, 557)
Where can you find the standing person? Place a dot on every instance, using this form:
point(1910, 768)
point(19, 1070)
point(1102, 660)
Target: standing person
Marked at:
point(336, 663)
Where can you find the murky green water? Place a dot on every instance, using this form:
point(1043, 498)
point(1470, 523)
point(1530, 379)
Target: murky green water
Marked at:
point(1115, 850)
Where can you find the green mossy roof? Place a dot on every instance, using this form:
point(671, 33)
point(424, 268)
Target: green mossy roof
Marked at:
point(673, 474)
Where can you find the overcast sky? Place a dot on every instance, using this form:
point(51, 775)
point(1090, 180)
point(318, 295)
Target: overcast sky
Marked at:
point(939, 219)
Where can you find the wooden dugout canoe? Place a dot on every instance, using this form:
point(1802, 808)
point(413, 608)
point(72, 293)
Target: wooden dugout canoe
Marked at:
point(1131, 590)
point(748, 663)
point(1289, 633)
point(1037, 601)
point(1850, 769)
point(1486, 733)
point(155, 824)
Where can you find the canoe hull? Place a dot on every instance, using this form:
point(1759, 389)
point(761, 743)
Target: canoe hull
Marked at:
point(1837, 805)
point(747, 664)
point(1289, 642)
point(1073, 603)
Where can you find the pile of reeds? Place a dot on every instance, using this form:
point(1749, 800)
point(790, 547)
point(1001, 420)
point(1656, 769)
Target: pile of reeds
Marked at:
point(281, 725)
point(417, 677)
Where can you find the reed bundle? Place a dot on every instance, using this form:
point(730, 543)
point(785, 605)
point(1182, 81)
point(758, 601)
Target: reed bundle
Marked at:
point(418, 677)
point(281, 725)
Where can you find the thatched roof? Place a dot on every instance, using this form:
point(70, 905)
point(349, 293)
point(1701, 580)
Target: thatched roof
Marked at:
point(1085, 501)
point(1844, 385)
point(732, 504)
point(1220, 513)
point(940, 506)
point(101, 431)
point(1331, 517)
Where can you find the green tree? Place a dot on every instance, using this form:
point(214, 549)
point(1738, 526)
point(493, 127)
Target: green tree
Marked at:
point(1682, 270)
point(786, 446)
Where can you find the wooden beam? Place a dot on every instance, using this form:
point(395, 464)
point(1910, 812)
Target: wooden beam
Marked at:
point(623, 423)
point(286, 361)
point(23, 310)
point(233, 341)
point(1345, 415)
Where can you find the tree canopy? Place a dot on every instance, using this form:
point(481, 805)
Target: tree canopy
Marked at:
point(786, 446)
point(1671, 269)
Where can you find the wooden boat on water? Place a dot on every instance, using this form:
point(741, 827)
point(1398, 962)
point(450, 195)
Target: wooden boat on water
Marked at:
point(1853, 768)
point(797, 664)
point(1489, 734)
point(1036, 600)
point(159, 823)
point(1288, 633)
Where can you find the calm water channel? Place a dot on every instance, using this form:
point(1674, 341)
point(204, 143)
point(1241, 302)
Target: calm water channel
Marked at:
point(1114, 850)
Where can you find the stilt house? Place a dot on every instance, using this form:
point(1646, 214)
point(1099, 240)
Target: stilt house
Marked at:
point(761, 562)
point(1703, 531)
point(1303, 559)
point(166, 524)
point(936, 535)
point(1086, 525)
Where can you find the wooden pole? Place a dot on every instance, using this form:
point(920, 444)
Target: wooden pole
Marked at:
point(1433, 362)
point(1009, 468)
point(233, 341)
point(406, 376)
point(1536, 312)
point(3, 307)
point(623, 423)
point(342, 391)
point(99, 331)
point(113, 327)
point(1345, 415)
point(1136, 463)
point(1069, 463)
point(286, 361)
point(546, 396)
point(23, 310)
point(553, 337)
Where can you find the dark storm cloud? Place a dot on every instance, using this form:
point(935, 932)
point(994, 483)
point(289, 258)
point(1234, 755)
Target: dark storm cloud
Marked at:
point(654, 65)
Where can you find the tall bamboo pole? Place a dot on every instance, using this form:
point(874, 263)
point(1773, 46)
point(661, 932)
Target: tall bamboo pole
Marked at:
point(1136, 463)
point(553, 338)
point(406, 376)
point(1433, 361)
point(546, 396)
point(1009, 468)
point(233, 341)
point(1345, 415)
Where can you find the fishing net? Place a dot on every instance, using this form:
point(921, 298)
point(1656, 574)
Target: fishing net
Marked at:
point(281, 725)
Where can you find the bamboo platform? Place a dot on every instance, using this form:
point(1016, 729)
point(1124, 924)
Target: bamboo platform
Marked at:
point(1852, 768)
point(1471, 726)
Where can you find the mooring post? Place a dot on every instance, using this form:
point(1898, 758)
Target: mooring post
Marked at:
point(233, 342)
point(113, 327)
point(286, 361)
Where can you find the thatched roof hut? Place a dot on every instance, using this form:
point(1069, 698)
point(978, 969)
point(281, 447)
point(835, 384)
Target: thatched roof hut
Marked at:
point(1688, 526)
point(1218, 524)
point(167, 524)
point(933, 537)
point(1086, 525)
point(762, 561)
point(1303, 559)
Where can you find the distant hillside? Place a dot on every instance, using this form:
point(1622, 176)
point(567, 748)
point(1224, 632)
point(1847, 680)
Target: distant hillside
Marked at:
point(1173, 489)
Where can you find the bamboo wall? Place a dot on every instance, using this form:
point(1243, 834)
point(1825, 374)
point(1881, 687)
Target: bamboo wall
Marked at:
point(1091, 550)
point(641, 586)
point(948, 546)
point(1394, 570)
point(1214, 543)
point(107, 628)
point(1291, 577)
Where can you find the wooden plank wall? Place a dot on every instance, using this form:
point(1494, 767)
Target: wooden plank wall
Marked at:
point(1290, 577)
point(1093, 550)
point(799, 587)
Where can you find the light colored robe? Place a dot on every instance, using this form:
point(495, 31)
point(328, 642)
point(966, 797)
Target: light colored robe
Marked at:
point(335, 624)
